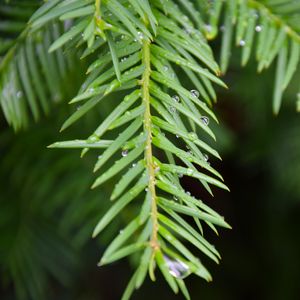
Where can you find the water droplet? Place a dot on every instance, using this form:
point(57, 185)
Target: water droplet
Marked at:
point(157, 169)
point(177, 268)
point(78, 107)
point(146, 189)
point(189, 172)
point(193, 136)
point(175, 198)
point(205, 157)
point(258, 28)
point(140, 35)
point(91, 90)
point(180, 175)
point(172, 109)
point(92, 139)
point(188, 193)
point(124, 153)
point(177, 136)
point(205, 120)
point(208, 28)
point(121, 231)
point(166, 68)
point(19, 94)
point(133, 165)
point(176, 98)
point(195, 93)
point(242, 43)
point(99, 156)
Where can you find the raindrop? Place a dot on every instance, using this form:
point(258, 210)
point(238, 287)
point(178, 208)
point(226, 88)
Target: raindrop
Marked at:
point(91, 90)
point(180, 175)
point(93, 138)
point(78, 107)
point(172, 109)
point(166, 68)
point(99, 156)
point(190, 172)
point(124, 153)
point(133, 165)
point(242, 43)
point(195, 93)
point(258, 28)
point(177, 136)
point(176, 98)
point(177, 268)
point(208, 28)
point(188, 193)
point(175, 198)
point(121, 231)
point(140, 35)
point(123, 59)
point(205, 157)
point(205, 120)
point(146, 189)
point(193, 136)
point(19, 94)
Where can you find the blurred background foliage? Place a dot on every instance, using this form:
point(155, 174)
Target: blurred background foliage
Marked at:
point(47, 211)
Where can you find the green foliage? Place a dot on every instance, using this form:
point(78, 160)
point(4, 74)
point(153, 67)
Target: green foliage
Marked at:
point(42, 233)
point(137, 52)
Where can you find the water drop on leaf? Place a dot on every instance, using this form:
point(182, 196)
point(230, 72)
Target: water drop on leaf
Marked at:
point(195, 93)
point(172, 109)
point(205, 120)
point(176, 98)
point(124, 153)
point(177, 268)
point(258, 28)
point(92, 139)
point(19, 94)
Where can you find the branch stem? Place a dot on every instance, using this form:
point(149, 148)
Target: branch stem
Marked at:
point(148, 149)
